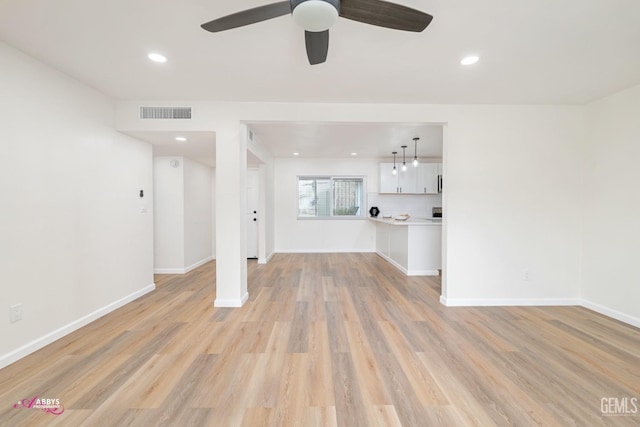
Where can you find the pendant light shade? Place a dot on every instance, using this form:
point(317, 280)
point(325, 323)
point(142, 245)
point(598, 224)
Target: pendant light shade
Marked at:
point(415, 153)
point(404, 162)
point(394, 171)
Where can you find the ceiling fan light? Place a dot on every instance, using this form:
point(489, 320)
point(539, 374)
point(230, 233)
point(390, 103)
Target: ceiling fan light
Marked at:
point(315, 15)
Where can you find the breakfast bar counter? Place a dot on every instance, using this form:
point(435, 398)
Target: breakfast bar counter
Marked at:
point(414, 246)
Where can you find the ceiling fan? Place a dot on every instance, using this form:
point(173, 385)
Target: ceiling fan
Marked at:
point(317, 16)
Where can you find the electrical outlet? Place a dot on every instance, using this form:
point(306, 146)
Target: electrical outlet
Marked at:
point(525, 275)
point(15, 313)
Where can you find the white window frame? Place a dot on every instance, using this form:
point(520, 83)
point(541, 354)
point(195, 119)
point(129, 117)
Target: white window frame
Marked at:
point(359, 216)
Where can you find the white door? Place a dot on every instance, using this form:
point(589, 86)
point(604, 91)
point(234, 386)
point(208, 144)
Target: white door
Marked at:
point(253, 184)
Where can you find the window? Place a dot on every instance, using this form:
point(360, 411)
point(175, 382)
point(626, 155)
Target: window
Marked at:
point(330, 197)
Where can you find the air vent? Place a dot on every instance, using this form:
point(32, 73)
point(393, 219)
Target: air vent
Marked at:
point(170, 113)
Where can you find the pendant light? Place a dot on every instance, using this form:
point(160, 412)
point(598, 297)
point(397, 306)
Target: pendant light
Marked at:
point(394, 171)
point(415, 153)
point(404, 163)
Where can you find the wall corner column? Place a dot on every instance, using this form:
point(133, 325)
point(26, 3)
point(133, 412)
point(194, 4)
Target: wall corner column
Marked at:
point(230, 210)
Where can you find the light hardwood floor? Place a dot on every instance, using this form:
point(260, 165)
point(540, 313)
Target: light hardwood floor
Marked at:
point(328, 340)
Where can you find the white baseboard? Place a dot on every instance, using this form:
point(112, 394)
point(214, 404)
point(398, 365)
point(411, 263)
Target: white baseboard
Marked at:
point(521, 302)
point(182, 270)
point(609, 312)
point(198, 264)
point(423, 273)
point(168, 271)
point(231, 303)
point(38, 343)
point(267, 259)
point(516, 302)
point(408, 272)
point(323, 251)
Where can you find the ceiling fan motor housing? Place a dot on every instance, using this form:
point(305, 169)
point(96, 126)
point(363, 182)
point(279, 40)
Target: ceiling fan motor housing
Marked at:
point(315, 15)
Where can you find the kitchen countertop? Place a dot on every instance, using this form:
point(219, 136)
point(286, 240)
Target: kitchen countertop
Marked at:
point(410, 221)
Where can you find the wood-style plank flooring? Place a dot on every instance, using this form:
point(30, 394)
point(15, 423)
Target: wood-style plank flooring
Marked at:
point(328, 340)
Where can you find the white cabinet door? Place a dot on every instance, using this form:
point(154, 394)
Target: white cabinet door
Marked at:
point(407, 180)
point(425, 179)
point(428, 178)
point(388, 181)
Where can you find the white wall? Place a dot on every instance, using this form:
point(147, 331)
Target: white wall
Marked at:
point(512, 174)
point(213, 215)
point(74, 243)
point(169, 214)
point(197, 213)
point(319, 235)
point(512, 210)
point(270, 209)
point(610, 274)
point(183, 215)
point(418, 206)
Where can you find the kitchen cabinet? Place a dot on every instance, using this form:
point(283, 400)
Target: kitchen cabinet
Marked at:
point(388, 181)
point(404, 182)
point(407, 180)
point(421, 180)
point(428, 178)
point(413, 247)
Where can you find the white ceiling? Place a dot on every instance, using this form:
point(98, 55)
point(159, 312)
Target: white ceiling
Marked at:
point(199, 146)
point(531, 52)
point(336, 140)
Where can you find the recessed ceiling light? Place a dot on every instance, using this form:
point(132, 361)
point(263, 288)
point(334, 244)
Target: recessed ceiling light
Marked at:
point(156, 57)
point(296, 154)
point(469, 60)
point(354, 154)
point(181, 139)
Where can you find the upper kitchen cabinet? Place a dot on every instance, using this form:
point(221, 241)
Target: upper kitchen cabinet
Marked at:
point(408, 180)
point(404, 182)
point(388, 181)
point(425, 179)
point(428, 178)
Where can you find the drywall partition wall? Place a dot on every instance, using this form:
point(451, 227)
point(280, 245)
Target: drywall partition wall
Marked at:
point(610, 274)
point(507, 168)
point(320, 235)
point(76, 238)
point(267, 202)
point(213, 214)
point(512, 213)
point(183, 221)
point(270, 207)
point(169, 215)
point(197, 214)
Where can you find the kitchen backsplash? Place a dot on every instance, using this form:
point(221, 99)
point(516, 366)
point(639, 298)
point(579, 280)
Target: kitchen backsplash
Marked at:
point(418, 206)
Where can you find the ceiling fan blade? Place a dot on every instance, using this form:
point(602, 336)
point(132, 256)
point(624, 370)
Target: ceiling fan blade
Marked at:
point(317, 46)
point(249, 16)
point(385, 14)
